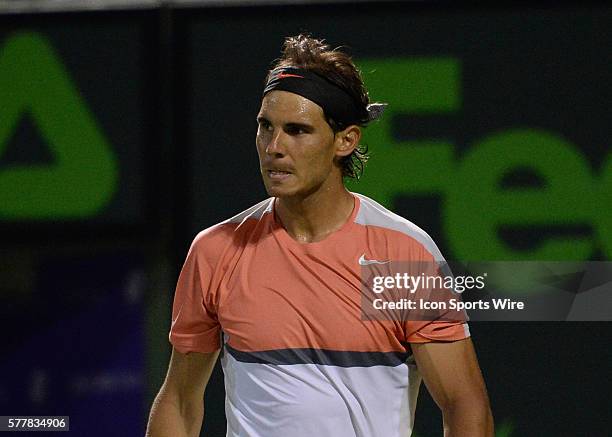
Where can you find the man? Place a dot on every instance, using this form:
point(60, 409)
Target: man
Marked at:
point(278, 287)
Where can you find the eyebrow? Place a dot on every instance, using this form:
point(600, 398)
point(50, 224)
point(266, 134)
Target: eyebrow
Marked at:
point(291, 124)
point(303, 126)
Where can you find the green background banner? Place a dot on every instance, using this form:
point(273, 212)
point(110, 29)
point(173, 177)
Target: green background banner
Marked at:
point(136, 130)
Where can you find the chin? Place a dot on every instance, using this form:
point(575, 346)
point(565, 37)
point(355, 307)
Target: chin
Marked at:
point(280, 190)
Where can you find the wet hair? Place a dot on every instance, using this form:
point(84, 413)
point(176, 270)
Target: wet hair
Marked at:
point(305, 52)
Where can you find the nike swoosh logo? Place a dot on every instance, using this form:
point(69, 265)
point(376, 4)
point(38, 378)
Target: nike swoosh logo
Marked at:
point(284, 75)
point(366, 262)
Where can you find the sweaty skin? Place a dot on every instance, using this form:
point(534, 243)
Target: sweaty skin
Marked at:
point(298, 157)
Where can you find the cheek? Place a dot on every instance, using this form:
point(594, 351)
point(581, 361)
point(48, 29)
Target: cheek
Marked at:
point(259, 145)
point(319, 163)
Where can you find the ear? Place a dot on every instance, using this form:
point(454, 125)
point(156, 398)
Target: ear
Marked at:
point(347, 140)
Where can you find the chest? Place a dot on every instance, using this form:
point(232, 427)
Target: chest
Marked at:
point(275, 297)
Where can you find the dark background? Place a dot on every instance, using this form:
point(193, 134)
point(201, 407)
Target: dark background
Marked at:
point(86, 302)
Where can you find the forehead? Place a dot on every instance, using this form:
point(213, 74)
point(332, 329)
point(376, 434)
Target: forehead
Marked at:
point(286, 106)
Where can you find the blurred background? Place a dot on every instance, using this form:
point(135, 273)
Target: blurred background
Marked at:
point(128, 126)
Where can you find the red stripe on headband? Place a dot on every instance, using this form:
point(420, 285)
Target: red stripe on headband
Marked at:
point(283, 75)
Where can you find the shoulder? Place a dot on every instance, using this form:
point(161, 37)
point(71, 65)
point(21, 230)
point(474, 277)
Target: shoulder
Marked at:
point(373, 214)
point(233, 230)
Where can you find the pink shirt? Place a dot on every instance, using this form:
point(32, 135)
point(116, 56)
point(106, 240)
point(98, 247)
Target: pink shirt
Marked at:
point(286, 309)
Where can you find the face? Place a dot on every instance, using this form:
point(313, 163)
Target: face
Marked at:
point(296, 146)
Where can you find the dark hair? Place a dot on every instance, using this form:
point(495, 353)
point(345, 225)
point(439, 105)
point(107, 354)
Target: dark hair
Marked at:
point(303, 51)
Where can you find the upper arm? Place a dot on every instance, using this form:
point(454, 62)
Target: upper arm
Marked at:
point(188, 375)
point(450, 371)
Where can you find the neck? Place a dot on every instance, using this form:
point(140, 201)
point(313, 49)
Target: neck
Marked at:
point(313, 217)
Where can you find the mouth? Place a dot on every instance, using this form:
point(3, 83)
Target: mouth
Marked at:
point(277, 174)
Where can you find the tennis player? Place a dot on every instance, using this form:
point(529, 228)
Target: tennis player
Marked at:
point(277, 287)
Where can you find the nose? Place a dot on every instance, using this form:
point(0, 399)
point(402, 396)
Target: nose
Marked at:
point(275, 145)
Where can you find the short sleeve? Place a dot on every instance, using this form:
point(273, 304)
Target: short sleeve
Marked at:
point(425, 332)
point(448, 325)
point(195, 327)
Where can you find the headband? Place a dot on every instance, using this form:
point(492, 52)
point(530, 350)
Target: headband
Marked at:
point(337, 104)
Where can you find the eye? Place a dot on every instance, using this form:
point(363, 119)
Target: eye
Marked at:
point(295, 130)
point(264, 124)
